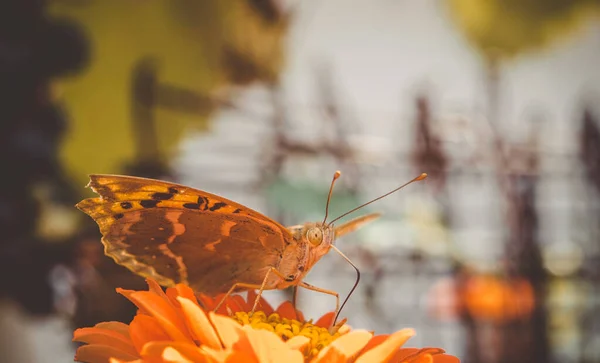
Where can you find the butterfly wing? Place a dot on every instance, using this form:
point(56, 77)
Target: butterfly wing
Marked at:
point(175, 233)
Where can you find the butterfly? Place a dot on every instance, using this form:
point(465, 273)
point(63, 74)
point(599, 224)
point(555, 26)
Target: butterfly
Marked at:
point(177, 234)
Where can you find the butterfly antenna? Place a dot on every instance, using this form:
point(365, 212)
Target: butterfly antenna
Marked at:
point(419, 178)
point(353, 287)
point(336, 175)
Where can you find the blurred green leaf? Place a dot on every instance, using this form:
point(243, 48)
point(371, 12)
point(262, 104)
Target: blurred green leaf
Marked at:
point(306, 200)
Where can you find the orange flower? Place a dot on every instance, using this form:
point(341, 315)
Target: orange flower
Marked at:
point(499, 300)
point(424, 355)
point(174, 327)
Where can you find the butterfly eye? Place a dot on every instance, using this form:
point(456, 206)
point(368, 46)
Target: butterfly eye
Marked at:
point(315, 236)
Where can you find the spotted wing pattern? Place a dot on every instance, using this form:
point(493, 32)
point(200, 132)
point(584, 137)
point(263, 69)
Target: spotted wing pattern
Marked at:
point(175, 233)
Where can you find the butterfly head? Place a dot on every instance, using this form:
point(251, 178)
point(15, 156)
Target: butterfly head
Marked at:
point(318, 237)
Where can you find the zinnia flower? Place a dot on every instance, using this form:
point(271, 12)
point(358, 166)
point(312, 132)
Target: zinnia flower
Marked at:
point(176, 327)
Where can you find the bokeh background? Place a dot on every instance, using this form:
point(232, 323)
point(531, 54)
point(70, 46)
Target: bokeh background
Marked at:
point(495, 257)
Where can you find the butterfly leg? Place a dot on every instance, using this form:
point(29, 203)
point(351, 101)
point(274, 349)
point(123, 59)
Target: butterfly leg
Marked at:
point(260, 288)
point(294, 295)
point(235, 286)
point(325, 291)
point(264, 283)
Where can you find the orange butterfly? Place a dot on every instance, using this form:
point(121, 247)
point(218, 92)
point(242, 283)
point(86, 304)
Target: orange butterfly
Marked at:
point(177, 234)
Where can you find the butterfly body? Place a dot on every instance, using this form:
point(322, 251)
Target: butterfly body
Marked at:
point(177, 234)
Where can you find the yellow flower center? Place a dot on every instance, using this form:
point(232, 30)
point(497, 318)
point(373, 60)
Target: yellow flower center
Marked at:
point(288, 328)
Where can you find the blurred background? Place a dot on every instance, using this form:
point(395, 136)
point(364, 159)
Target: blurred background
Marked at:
point(495, 257)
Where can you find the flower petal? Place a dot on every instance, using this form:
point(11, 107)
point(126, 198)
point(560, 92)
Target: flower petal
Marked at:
point(326, 321)
point(432, 351)
point(340, 327)
point(386, 350)
point(423, 358)
point(344, 347)
point(445, 358)
point(172, 351)
point(228, 329)
point(241, 356)
point(183, 291)
point(115, 360)
point(239, 304)
point(198, 323)
point(96, 353)
point(232, 305)
point(262, 305)
point(115, 326)
point(127, 294)
point(144, 329)
point(375, 341)
point(286, 310)
point(229, 356)
point(223, 355)
point(164, 313)
point(155, 288)
point(300, 315)
point(223, 308)
point(206, 302)
point(105, 337)
point(297, 342)
point(406, 353)
point(415, 355)
point(172, 355)
point(269, 348)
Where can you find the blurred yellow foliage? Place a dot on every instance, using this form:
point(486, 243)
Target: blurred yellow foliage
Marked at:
point(505, 28)
point(199, 46)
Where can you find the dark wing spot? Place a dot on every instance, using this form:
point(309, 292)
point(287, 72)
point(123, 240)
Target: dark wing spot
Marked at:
point(162, 196)
point(126, 205)
point(237, 210)
point(119, 215)
point(290, 278)
point(191, 206)
point(266, 229)
point(203, 202)
point(173, 190)
point(301, 268)
point(217, 206)
point(149, 203)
